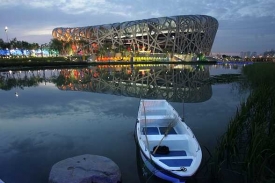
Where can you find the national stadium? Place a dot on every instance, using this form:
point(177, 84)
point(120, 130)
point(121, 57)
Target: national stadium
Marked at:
point(183, 34)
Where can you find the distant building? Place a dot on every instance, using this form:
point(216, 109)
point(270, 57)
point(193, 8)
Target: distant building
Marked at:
point(254, 54)
point(242, 54)
point(176, 34)
point(247, 54)
point(270, 53)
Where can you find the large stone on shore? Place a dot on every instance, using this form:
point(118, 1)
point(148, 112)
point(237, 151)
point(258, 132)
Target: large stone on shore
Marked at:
point(85, 169)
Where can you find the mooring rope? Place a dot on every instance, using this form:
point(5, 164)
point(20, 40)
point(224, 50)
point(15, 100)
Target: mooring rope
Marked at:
point(165, 134)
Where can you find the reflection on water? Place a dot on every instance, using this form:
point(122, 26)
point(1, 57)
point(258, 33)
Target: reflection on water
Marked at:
point(68, 112)
point(173, 83)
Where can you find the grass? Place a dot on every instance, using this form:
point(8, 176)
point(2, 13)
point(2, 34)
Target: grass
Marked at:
point(35, 63)
point(247, 149)
point(33, 59)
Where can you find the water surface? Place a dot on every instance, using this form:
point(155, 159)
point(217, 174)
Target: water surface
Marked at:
point(45, 124)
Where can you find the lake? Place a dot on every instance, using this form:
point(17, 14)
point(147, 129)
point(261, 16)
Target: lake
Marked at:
point(49, 115)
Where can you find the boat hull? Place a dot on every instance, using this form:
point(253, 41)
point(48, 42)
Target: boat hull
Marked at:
point(151, 132)
point(156, 170)
point(161, 173)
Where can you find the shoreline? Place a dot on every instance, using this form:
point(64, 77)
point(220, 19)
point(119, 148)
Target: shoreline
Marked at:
point(61, 64)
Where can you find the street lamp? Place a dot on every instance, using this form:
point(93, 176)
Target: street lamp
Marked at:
point(6, 30)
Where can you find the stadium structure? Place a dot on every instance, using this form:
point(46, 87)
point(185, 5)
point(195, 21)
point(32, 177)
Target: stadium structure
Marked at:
point(176, 34)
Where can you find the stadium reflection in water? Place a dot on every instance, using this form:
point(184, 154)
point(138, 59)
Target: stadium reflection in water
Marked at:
point(174, 83)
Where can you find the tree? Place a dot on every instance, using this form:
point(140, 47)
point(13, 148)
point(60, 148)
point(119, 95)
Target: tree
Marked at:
point(2, 43)
point(34, 46)
point(56, 44)
point(68, 47)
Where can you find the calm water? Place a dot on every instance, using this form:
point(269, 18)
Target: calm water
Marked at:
point(54, 117)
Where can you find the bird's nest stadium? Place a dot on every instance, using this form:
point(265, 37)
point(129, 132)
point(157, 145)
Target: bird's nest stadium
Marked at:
point(176, 34)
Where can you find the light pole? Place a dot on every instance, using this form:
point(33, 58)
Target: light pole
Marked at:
point(6, 30)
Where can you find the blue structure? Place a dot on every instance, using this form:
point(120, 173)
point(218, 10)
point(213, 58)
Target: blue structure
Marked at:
point(21, 52)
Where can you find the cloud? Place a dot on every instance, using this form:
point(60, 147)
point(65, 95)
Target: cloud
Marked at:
point(262, 9)
point(246, 34)
point(73, 6)
point(41, 31)
point(238, 19)
point(221, 9)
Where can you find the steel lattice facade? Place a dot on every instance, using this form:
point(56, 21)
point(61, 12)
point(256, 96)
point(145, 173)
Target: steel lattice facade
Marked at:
point(176, 34)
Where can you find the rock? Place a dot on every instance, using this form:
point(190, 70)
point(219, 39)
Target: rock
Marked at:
point(85, 169)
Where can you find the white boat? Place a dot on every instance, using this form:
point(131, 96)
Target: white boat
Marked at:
point(167, 145)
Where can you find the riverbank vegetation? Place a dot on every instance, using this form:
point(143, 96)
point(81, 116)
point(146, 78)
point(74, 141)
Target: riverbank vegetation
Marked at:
point(247, 150)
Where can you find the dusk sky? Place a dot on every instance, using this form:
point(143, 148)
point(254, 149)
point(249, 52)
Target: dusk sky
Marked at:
point(244, 25)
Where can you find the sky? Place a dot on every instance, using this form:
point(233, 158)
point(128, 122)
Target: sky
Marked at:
point(244, 25)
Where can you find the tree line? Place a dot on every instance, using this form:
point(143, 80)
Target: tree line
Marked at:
point(14, 43)
point(54, 44)
point(64, 47)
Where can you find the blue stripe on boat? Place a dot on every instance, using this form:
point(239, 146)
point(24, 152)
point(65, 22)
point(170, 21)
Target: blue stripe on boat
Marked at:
point(171, 153)
point(151, 131)
point(163, 130)
point(177, 162)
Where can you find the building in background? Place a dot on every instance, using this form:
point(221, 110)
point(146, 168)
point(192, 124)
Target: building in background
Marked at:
point(247, 54)
point(184, 34)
